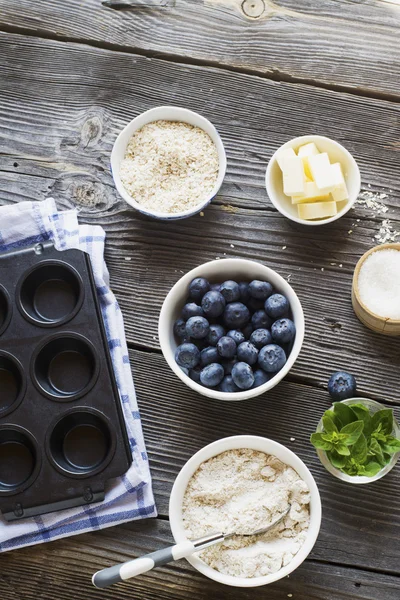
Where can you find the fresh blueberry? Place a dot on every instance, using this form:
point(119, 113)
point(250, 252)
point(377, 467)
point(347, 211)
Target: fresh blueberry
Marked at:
point(260, 337)
point(260, 377)
point(271, 358)
point(198, 287)
point(212, 375)
point(242, 375)
point(226, 347)
point(187, 355)
point(244, 291)
point(215, 287)
point(236, 315)
point(276, 306)
point(236, 335)
point(253, 304)
point(194, 373)
point(197, 327)
point(260, 289)
point(283, 331)
point(230, 291)
point(216, 332)
point(191, 309)
point(228, 365)
point(201, 344)
point(247, 330)
point(247, 353)
point(208, 355)
point(342, 385)
point(260, 320)
point(180, 329)
point(213, 304)
point(228, 385)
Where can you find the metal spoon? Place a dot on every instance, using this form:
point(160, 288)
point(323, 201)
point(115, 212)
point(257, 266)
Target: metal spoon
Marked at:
point(126, 570)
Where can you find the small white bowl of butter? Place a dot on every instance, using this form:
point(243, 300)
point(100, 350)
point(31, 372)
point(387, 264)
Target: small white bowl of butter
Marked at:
point(312, 180)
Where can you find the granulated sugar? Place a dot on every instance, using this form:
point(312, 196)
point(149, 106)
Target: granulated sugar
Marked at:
point(379, 283)
point(242, 491)
point(170, 166)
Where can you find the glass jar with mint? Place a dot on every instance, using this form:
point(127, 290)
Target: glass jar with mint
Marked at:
point(358, 440)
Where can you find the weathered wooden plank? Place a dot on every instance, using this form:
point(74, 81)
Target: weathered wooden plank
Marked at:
point(178, 422)
point(64, 569)
point(339, 43)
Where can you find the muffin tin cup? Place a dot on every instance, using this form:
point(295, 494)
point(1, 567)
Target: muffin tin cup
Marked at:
point(19, 459)
point(12, 383)
point(65, 367)
point(82, 443)
point(5, 309)
point(50, 294)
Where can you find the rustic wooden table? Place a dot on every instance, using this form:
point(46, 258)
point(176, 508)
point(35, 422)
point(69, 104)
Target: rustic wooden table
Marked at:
point(72, 74)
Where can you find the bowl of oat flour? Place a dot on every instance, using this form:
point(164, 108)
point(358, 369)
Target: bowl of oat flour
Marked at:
point(241, 484)
point(168, 163)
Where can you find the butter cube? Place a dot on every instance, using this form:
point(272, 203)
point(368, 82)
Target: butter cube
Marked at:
point(339, 192)
point(317, 210)
point(311, 194)
point(321, 172)
point(282, 155)
point(305, 152)
point(293, 176)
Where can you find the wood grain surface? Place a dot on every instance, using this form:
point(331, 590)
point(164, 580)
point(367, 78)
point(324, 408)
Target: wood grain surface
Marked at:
point(338, 43)
point(62, 104)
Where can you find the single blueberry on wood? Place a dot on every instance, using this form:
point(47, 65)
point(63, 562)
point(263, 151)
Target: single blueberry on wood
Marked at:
point(342, 385)
point(187, 355)
point(236, 315)
point(213, 304)
point(198, 287)
point(283, 331)
point(276, 306)
point(191, 309)
point(230, 291)
point(212, 375)
point(215, 333)
point(260, 289)
point(242, 375)
point(247, 353)
point(226, 347)
point(197, 327)
point(260, 337)
point(271, 358)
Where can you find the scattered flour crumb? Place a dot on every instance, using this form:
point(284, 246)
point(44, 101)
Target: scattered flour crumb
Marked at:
point(292, 439)
point(386, 233)
point(232, 246)
point(128, 258)
point(284, 247)
point(241, 491)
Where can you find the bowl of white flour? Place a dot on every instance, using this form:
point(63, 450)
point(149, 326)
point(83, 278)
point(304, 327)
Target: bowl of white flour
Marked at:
point(241, 484)
point(168, 163)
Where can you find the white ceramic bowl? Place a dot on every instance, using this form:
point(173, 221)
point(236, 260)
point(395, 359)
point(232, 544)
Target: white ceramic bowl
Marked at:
point(263, 445)
point(337, 153)
point(166, 113)
point(218, 271)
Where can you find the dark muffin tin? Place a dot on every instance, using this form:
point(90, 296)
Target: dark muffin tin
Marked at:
point(62, 432)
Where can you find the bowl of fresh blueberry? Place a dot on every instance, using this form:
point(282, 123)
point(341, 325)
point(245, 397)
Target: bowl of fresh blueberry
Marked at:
point(231, 329)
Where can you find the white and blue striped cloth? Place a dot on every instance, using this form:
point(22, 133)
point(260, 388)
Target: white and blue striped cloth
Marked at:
point(128, 497)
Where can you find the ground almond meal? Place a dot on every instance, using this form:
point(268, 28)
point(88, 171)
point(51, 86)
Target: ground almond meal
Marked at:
point(170, 166)
point(244, 490)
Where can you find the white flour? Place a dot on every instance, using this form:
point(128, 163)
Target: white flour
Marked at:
point(242, 491)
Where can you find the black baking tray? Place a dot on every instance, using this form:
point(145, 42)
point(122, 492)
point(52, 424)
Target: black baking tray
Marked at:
point(62, 431)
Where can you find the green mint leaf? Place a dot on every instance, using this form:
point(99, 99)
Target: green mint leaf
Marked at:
point(359, 450)
point(319, 442)
point(371, 469)
point(363, 414)
point(336, 460)
point(328, 422)
point(391, 446)
point(384, 418)
point(353, 432)
point(342, 449)
point(376, 450)
point(344, 413)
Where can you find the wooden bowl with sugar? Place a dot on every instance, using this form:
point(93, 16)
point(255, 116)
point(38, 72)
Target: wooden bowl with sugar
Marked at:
point(389, 324)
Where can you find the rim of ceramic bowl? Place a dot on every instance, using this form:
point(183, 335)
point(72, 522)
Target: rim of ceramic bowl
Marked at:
point(267, 446)
point(168, 113)
point(359, 479)
point(298, 141)
point(165, 324)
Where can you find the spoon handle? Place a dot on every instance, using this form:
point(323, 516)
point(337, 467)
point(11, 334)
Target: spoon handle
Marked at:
point(137, 566)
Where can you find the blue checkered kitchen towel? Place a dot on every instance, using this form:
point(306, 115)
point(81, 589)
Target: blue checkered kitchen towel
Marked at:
point(129, 497)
